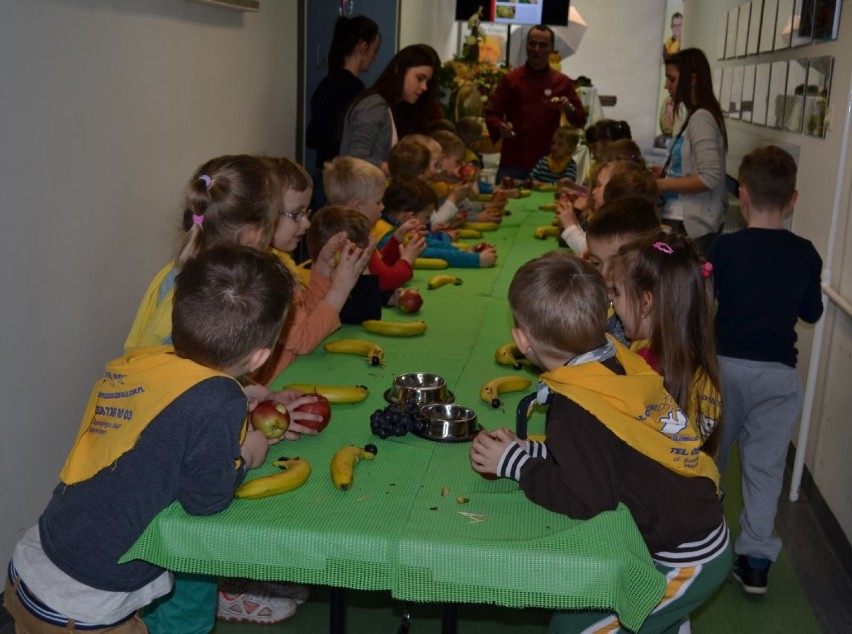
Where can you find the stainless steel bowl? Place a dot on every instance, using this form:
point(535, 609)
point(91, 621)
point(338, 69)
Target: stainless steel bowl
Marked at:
point(420, 388)
point(446, 422)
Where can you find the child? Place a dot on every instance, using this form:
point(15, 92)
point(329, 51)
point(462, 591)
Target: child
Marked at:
point(169, 422)
point(317, 304)
point(229, 201)
point(409, 159)
point(410, 198)
point(559, 164)
point(364, 300)
point(359, 185)
point(663, 294)
point(603, 448)
point(766, 278)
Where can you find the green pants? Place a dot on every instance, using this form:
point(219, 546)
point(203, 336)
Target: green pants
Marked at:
point(190, 608)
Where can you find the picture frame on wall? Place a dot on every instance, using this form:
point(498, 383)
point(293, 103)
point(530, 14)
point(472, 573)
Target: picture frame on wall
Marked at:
point(735, 111)
point(803, 22)
point(767, 26)
point(777, 95)
point(755, 22)
point(731, 38)
point(784, 24)
point(747, 103)
point(826, 21)
point(794, 108)
point(761, 93)
point(725, 93)
point(742, 29)
point(818, 94)
point(721, 36)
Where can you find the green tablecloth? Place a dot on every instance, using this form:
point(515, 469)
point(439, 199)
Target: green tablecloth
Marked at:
point(394, 530)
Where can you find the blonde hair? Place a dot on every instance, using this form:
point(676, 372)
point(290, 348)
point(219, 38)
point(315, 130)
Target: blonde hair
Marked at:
point(451, 144)
point(347, 179)
point(291, 175)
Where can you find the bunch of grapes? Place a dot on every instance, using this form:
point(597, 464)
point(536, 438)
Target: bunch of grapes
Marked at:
point(397, 419)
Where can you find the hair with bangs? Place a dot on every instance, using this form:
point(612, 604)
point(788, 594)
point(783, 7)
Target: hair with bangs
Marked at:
point(451, 144)
point(331, 220)
point(347, 179)
point(695, 85)
point(560, 301)
point(291, 175)
point(228, 302)
point(769, 176)
point(408, 194)
point(225, 197)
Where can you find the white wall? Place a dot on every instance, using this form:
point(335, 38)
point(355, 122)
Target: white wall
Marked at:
point(107, 108)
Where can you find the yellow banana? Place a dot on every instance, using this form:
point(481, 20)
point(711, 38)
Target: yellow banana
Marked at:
point(484, 198)
point(438, 281)
point(430, 263)
point(548, 207)
point(334, 393)
point(480, 226)
point(394, 328)
point(546, 188)
point(546, 232)
point(468, 234)
point(343, 464)
point(295, 472)
point(462, 246)
point(373, 353)
point(491, 391)
point(523, 193)
point(508, 354)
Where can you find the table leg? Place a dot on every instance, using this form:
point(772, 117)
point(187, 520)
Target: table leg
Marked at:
point(337, 611)
point(450, 619)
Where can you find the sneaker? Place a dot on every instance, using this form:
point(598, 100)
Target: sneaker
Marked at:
point(250, 608)
point(295, 591)
point(752, 573)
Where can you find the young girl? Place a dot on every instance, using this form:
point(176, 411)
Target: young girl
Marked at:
point(315, 313)
point(229, 200)
point(663, 294)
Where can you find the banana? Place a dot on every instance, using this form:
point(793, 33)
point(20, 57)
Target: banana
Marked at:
point(295, 472)
point(484, 198)
point(462, 246)
point(468, 234)
point(480, 226)
point(438, 281)
point(548, 207)
point(491, 391)
point(394, 328)
point(343, 464)
point(374, 353)
point(334, 393)
point(508, 354)
point(523, 193)
point(542, 233)
point(430, 263)
point(546, 188)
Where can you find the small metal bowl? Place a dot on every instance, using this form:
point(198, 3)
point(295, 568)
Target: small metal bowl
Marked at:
point(446, 422)
point(420, 388)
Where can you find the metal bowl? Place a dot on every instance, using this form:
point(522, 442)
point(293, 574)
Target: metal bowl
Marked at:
point(420, 388)
point(446, 422)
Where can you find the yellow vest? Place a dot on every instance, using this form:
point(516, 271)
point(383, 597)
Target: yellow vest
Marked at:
point(152, 325)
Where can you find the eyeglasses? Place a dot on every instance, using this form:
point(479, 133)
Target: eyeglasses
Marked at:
point(296, 216)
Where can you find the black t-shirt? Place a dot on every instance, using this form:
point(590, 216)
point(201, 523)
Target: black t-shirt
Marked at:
point(328, 104)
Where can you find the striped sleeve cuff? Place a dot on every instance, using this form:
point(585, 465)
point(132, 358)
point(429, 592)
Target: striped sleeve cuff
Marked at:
point(512, 461)
point(536, 449)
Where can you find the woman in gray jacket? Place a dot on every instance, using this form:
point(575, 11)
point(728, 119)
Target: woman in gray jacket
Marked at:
point(401, 101)
point(693, 180)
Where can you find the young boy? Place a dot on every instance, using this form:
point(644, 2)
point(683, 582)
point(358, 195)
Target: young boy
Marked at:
point(163, 424)
point(766, 278)
point(359, 185)
point(559, 164)
point(410, 198)
point(364, 301)
point(409, 159)
point(614, 435)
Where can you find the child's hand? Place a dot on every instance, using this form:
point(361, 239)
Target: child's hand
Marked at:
point(415, 247)
point(324, 264)
point(567, 215)
point(460, 191)
point(489, 215)
point(255, 447)
point(487, 449)
point(291, 399)
point(353, 259)
point(487, 258)
point(412, 224)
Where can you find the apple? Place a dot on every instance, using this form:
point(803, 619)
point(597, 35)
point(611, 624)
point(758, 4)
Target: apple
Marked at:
point(479, 248)
point(467, 171)
point(508, 182)
point(322, 408)
point(270, 417)
point(410, 300)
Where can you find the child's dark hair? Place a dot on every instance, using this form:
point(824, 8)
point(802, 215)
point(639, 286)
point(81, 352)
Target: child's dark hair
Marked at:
point(224, 197)
point(228, 302)
point(623, 217)
point(408, 194)
point(630, 180)
point(621, 150)
point(768, 174)
point(330, 221)
point(607, 130)
point(670, 268)
point(408, 158)
point(561, 303)
point(348, 33)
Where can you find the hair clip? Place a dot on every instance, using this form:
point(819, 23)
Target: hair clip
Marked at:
point(662, 246)
point(706, 269)
point(197, 220)
point(207, 180)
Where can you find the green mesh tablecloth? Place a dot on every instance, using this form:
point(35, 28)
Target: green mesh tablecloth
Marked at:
point(394, 530)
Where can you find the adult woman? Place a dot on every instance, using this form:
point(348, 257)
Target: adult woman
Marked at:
point(353, 50)
point(401, 101)
point(693, 179)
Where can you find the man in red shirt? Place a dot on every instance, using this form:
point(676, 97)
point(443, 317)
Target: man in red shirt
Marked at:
point(526, 105)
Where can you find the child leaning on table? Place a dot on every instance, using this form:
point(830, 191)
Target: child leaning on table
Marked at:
point(603, 448)
point(164, 424)
point(317, 303)
point(766, 279)
point(359, 185)
point(559, 165)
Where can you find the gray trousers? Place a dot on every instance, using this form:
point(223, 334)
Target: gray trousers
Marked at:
point(761, 403)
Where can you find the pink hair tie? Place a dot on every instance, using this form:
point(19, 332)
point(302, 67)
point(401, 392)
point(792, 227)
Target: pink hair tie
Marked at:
point(197, 220)
point(663, 247)
point(207, 180)
point(706, 269)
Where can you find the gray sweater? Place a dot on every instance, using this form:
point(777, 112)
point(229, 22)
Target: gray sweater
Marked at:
point(368, 130)
point(703, 153)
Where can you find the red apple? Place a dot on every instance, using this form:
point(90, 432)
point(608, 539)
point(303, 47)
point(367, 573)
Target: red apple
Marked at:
point(508, 182)
point(479, 248)
point(322, 408)
point(410, 300)
point(270, 417)
point(467, 171)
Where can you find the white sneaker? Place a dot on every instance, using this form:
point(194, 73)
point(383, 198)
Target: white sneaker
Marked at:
point(295, 591)
point(251, 608)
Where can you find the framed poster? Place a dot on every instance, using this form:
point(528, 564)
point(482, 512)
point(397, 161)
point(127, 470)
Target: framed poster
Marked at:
point(803, 22)
point(818, 93)
point(826, 19)
point(721, 36)
point(731, 38)
point(777, 95)
point(794, 108)
point(742, 29)
point(725, 96)
point(747, 105)
point(767, 26)
point(783, 24)
point(761, 93)
point(754, 27)
point(736, 93)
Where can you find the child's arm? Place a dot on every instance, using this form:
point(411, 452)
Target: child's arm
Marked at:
point(390, 276)
point(572, 232)
point(445, 213)
point(254, 448)
point(811, 307)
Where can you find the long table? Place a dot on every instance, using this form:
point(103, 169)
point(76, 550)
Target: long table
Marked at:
point(402, 527)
